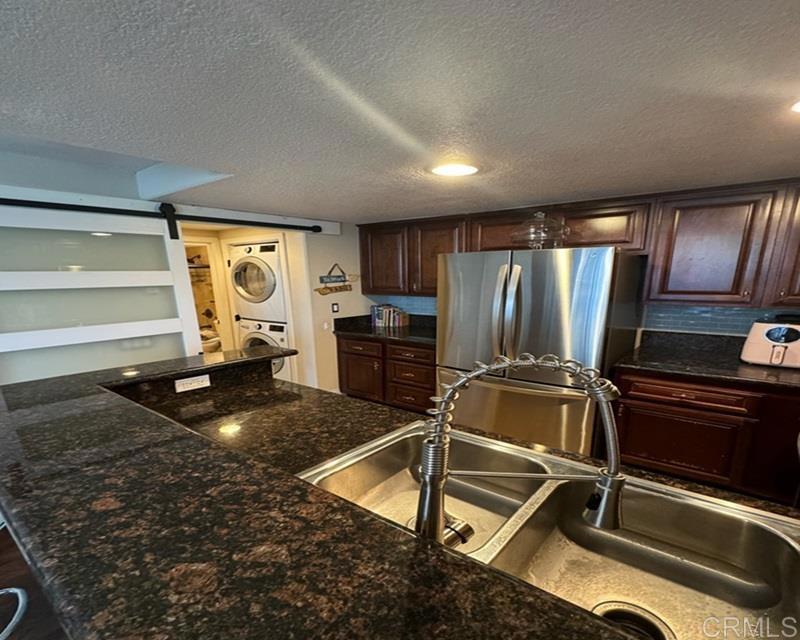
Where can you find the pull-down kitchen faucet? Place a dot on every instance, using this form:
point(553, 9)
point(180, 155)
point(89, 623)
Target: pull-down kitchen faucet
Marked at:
point(603, 507)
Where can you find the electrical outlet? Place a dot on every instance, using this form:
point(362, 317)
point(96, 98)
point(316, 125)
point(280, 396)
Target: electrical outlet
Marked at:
point(334, 307)
point(189, 384)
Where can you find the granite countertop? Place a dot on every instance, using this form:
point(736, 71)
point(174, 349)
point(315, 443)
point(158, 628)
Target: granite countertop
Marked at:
point(704, 356)
point(421, 330)
point(139, 528)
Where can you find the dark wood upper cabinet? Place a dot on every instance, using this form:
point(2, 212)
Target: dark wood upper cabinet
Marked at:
point(736, 245)
point(426, 241)
point(492, 231)
point(710, 249)
point(384, 259)
point(784, 286)
point(623, 226)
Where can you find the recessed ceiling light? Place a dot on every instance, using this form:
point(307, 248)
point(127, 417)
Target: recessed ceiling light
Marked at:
point(454, 169)
point(101, 234)
point(796, 107)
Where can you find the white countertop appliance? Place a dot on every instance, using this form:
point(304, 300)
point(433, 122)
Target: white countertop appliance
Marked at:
point(773, 343)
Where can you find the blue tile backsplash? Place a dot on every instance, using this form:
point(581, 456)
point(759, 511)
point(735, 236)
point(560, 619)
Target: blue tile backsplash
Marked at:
point(734, 321)
point(412, 304)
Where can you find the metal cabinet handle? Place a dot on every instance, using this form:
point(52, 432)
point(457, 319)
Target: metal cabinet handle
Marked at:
point(782, 293)
point(376, 365)
point(407, 375)
point(745, 293)
point(685, 396)
point(408, 355)
point(408, 398)
point(355, 347)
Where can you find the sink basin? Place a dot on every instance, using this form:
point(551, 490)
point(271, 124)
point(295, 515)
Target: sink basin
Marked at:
point(382, 476)
point(680, 560)
point(676, 562)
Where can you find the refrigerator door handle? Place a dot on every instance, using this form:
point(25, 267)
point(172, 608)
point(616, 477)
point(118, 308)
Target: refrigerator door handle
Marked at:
point(497, 310)
point(511, 312)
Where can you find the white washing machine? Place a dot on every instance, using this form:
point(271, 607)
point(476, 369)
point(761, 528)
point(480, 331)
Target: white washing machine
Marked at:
point(257, 281)
point(253, 333)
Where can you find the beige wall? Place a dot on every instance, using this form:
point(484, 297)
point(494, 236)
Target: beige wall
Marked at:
point(323, 252)
point(309, 256)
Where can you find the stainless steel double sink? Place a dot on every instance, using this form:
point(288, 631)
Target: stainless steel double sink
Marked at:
point(682, 566)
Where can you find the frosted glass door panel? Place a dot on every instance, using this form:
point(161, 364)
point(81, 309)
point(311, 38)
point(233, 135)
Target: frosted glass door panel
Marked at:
point(55, 250)
point(58, 308)
point(33, 364)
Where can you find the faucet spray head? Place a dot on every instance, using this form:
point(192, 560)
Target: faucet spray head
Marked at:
point(604, 507)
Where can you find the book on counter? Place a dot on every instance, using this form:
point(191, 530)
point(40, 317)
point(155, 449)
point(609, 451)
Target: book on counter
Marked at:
point(385, 316)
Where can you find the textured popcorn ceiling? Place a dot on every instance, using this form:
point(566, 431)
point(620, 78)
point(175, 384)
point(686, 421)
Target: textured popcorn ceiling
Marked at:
point(334, 108)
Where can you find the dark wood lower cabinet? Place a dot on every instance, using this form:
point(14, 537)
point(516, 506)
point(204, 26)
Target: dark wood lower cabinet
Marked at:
point(742, 437)
point(361, 376)
point(398, 374)
point(698, 444)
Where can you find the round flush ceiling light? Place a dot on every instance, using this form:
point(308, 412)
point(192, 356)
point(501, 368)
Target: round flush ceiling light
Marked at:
point(454, 169)
point(796, 107)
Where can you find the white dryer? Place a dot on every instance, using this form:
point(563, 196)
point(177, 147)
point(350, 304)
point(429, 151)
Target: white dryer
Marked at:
point(257, 281)
point(258, 334)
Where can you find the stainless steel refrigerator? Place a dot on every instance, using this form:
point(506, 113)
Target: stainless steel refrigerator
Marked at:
point(582, 304)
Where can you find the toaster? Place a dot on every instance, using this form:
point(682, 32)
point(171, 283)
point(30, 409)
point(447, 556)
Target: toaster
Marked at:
point(773, 344)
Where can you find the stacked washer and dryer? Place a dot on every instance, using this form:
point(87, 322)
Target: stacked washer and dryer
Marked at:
point(260, 304)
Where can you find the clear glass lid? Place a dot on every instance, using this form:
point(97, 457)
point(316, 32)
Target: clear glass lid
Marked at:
point(540, 231)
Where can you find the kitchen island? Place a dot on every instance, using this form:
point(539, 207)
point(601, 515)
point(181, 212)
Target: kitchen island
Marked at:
point(165, 516)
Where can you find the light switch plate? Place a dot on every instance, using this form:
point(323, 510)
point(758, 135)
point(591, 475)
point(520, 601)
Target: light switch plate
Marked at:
point(189, 384)
point(334, 307)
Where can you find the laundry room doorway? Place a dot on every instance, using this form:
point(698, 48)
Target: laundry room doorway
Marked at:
point(207, 273)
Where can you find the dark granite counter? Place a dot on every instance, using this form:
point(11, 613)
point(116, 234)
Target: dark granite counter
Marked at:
point(139, 528)
point(421, 330)
point(704, 356)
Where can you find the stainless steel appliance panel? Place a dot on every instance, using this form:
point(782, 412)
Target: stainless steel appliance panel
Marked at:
point(557, 302)
point(470, 301)
point(552, 416)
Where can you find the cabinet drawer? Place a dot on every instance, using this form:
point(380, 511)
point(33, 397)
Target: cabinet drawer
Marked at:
point(410, 354)
point(361, 347)
point(688, 395)
point(687, 442)
point(413, 374)
point(406, 396)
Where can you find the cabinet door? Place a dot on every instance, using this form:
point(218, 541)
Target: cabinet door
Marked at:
point(710, 249)
point(773, 461)
point(361, 376)
point(619, 226)
point(428, 240)
point(784, 287)
point(384, 267)
point(492, 231)
point(684, 442)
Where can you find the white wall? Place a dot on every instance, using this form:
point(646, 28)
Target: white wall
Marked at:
point(323, 252)
point(309, 256)
point(21, 170)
